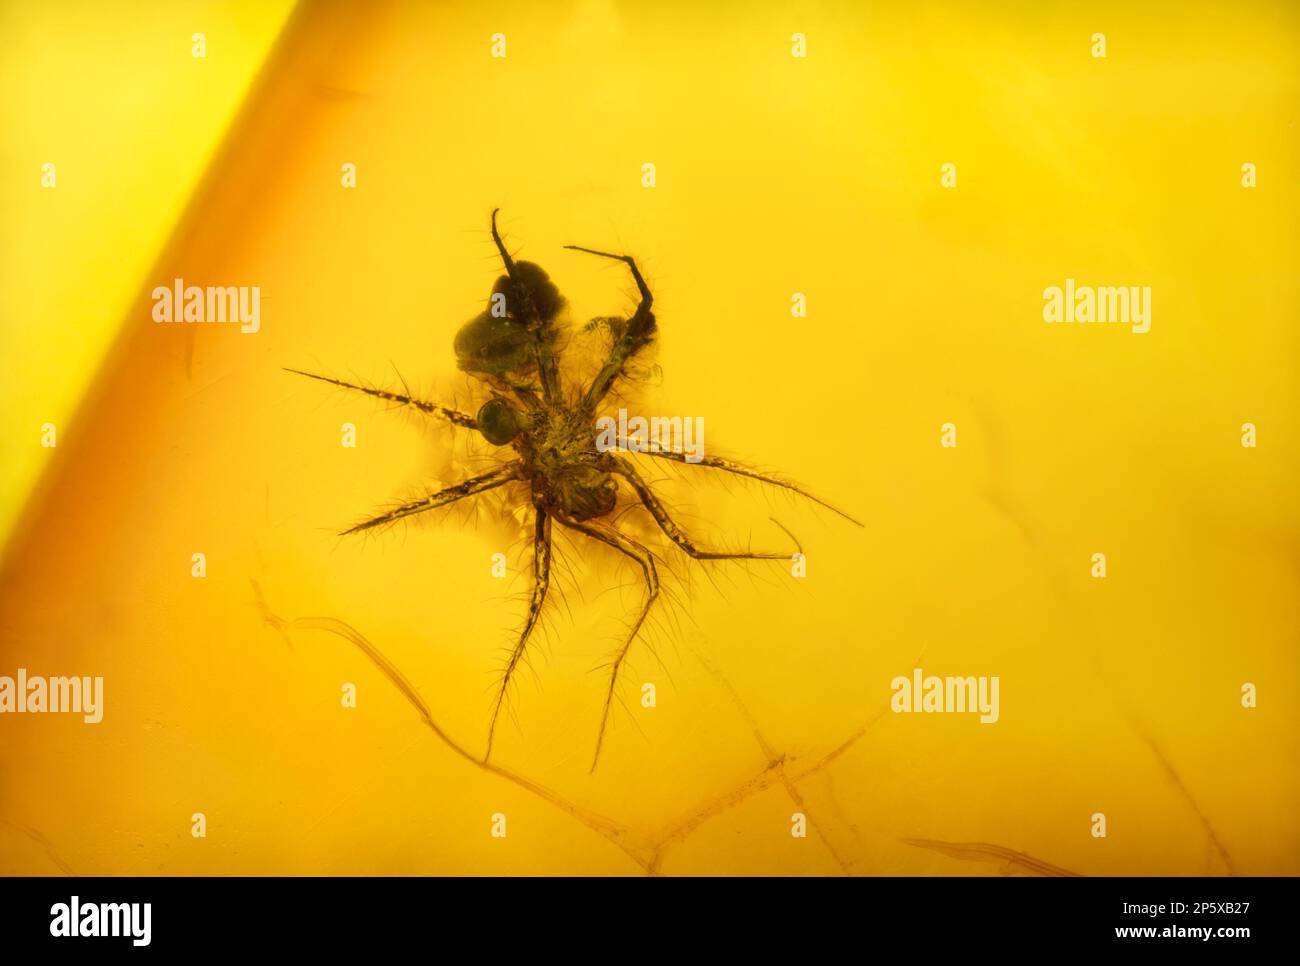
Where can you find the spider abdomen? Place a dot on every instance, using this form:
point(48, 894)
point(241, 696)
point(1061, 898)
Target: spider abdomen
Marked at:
point(580, 491)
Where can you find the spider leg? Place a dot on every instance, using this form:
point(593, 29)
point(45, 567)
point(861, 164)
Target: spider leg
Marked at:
point(625, 545)
point(506, 260)
point(636, 335)
point(673, 531)
point(646, 297)
point(458, 491)
point(452, 415)
point(541, 583)
point(740, 469)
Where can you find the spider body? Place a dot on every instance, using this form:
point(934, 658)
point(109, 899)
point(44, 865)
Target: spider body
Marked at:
point(565, 471)
point(513, 349)
point(558, 457)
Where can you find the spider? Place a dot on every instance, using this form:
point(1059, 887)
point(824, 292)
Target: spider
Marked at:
point(513, 348)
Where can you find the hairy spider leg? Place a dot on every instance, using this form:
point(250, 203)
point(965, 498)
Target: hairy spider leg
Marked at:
point(635, 336)
point(433, 409)
point(547, 367)
point(730, 466)
point(457, 491)
point(625, 545)
point(666, 523)
point(541, 583)
point(505, 255)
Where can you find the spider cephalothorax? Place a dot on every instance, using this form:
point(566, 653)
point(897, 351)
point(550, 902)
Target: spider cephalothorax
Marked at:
point(514, 348)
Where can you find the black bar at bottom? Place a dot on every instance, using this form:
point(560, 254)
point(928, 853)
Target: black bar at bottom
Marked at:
point(599, 916)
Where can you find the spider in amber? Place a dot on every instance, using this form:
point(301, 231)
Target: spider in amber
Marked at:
point(535, 409)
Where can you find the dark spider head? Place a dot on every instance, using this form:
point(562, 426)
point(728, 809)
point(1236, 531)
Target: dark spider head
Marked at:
point(531, 296)
point(499, 422)
point(495, 346)
point(502, 339)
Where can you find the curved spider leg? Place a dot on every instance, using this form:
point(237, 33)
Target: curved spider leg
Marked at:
point(541, 583)
point(730, 466)
point(457, 491)
point(625, 545)
point(433, 409)
point(636, 335)
point(674, 532)
point(501, 247)
point(547, 367)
